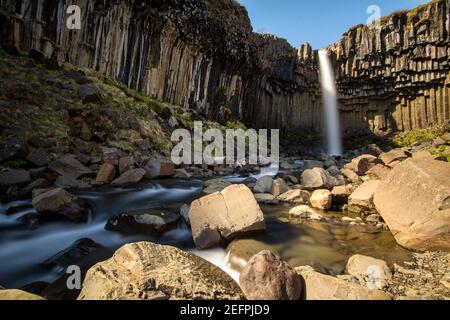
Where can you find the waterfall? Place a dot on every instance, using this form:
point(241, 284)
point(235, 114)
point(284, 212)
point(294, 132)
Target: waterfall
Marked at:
point(330, 105)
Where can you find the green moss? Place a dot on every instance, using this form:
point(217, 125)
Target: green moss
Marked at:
point(417, 136)
point(15, 164)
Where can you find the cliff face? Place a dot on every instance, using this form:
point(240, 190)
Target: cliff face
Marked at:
point(202, 54)
point(396, 77)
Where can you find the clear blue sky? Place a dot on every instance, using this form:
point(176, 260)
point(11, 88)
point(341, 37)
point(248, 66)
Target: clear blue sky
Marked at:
point(319, 22)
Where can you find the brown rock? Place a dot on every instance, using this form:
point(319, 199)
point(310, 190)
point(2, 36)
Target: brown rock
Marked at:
point(374, 272)
point(267, 277)
point(130, 177)
point(341, 194)
point(295, 196)
point(14, 295)
point(224, 215)
point(71, 167)
point(393, 155)
point(321, 199)
point(159, 168)
point(361, 200)
point(106, 173)
point(379, 172)
point(414, 202)
point(147, 271)
point(125, 164)
point(279, 187)
point(363, 163)
point(85, 132)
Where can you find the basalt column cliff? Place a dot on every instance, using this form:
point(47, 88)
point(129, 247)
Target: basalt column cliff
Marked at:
point(203, 55)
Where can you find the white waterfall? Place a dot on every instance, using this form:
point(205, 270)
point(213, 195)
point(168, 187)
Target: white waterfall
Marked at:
point(330, 105)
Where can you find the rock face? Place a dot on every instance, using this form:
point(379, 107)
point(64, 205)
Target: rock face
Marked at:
point(374, 272)
point(224, 215)
point(390, 78)
point(414, 200)
point(267, 277)
point(147, 271)
point(322, 287)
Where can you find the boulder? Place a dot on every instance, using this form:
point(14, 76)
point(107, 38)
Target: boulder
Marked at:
point(414, 201)
point(361, 200)
point(392, 156)
point(378, 172)
point(319, 178)
point(266, 198)
point(159, 168)
point(14, 177)
point(295, 196)
point(279, 187)
point(70, 167)
point(126, 164)
point(374, 272)
point(147, 271)
point(341, 194)
point(106, 173)
point(305, 212)
point(151, 221)
point(350, 175)
point(240, 251)
point(39, 157)
point(14, 294)
point(59, 202)
point(225, 215)
point(363, 163)
point(318, 286)
point(321, 199)
point(130, 177)
point(89, 93)
point(263, 185)
point(216, 185)
point(267, 277)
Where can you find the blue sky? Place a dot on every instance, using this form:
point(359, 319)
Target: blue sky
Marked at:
point(319, 22)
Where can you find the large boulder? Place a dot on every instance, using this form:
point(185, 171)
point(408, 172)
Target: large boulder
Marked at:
point(414, 200)
point(14, 294)
point(159, 168)
point(361, 200)
point(151, 221)
point(70, 167)
point(224, 215)
point(374, 272)
point(267, 277)
point(321, 199)
point(318, 286)
point(130, 177)
point(147, 271)
point(263, 185)
point(59, 202)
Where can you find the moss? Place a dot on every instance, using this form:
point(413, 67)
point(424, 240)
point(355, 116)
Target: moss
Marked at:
point(417, 136)
point(15, 164)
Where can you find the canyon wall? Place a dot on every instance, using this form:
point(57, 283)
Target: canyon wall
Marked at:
point(202, 55)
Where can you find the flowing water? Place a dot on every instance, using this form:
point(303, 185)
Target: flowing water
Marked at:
point(23, 250)
point(330, 104)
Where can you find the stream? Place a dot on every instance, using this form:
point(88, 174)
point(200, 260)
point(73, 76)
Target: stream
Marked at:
point(23, 250)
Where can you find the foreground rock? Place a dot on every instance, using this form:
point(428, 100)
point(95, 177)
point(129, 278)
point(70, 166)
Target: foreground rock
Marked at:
point(361, 200)
point(59, 202)
point(225, 215)
point(14, 294)
point(414, 200)
point(147, 271)
point(318, 286)
point(373, 272)
point(267, 277)
point(150, 221)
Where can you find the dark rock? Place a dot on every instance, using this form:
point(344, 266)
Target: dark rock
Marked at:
point(79, 77)
point(13, 177)
point(130, 177)
point(150, 221)
point(39, 157)
point(126, 163)
point(159, 168)
point(67, 182)
point(70, 167)
point(39, 183)
point(73, 254)
point(89, 93)
point(106, 173)
point(59, 202)
point(12, 149)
